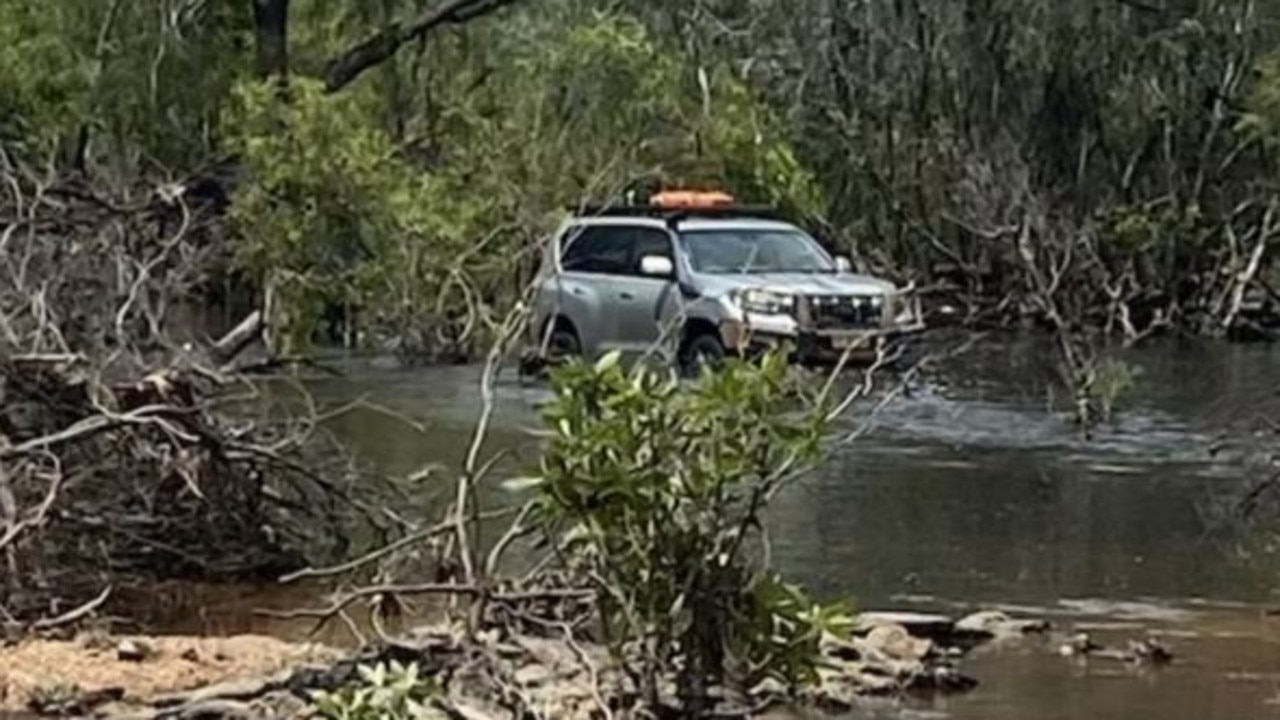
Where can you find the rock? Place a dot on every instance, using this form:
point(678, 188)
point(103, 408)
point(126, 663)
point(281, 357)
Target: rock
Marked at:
point(839, 649)
point(327, 677)
point(937, 628)
point(467, 708)
point(996, 624)
point(280, 704)
point(133, 651)
point(191, 655)
point(871, 680)
point(70, 700)
point(1150, 651)
point(942, 679)
point(233, 690)
point(1079, 644)
point(895, 642)
point(216, 710)
point(533, 674)
point(889, 659)
point(878, 665)
point(839, 686)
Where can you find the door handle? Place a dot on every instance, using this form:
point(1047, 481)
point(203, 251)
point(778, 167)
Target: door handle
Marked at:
point(626, 296)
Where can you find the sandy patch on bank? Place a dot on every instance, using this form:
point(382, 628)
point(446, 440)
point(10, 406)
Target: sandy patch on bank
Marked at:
point(174, 664)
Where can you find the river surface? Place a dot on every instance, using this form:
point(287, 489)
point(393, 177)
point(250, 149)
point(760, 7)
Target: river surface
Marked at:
point(971, 493)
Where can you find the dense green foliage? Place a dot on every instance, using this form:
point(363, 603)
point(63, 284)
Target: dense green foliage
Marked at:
point(335, 214)
point(126, 86)
point(656, 491)
point(929, 139)
point(339, 211)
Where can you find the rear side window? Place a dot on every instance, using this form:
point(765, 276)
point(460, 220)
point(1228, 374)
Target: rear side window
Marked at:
point(612, 250)
point(598, 249)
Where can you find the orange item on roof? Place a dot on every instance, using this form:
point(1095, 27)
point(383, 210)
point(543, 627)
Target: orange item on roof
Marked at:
point(690, 198)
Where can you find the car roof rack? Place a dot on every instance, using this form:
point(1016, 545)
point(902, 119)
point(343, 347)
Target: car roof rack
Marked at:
point(674, 215)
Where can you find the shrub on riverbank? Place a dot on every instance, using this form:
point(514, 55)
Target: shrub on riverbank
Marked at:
point(655, 492)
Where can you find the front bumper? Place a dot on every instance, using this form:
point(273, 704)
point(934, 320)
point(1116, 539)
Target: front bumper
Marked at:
point(816, 346)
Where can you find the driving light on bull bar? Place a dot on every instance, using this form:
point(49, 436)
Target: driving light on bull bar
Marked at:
point(765, 302)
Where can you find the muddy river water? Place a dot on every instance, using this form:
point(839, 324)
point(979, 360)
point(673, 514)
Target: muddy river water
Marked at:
point(970, 494)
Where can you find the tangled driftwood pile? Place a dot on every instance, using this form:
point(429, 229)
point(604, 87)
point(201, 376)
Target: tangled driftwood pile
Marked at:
point(119, 455)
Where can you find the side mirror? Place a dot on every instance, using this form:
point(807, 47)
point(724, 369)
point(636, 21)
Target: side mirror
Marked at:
point(843, 265)
point(657, 266)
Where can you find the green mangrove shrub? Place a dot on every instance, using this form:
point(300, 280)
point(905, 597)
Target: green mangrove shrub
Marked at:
point(385, 692)
point(656, 489)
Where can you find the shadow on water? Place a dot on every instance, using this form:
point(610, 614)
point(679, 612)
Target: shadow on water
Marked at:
point(970, 492)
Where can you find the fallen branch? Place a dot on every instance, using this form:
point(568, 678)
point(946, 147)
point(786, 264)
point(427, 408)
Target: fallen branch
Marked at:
point(74, 615)
point(229, 346)
point(384, 551)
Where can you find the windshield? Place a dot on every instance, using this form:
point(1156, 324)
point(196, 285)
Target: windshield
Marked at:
point(745, 250)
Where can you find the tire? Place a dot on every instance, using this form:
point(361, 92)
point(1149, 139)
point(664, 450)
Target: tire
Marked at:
point(701, 350)
point(562, 343)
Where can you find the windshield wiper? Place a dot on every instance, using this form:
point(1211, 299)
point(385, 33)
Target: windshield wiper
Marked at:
point(767, 270)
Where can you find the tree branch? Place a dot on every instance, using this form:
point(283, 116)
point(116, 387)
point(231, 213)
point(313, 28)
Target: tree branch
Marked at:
point(351, 64)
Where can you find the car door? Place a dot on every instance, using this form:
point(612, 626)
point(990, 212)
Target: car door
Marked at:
point(593, 258)
point(642, 300)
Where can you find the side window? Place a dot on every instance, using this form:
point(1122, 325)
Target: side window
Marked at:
point(649, 241)
point(599, 249)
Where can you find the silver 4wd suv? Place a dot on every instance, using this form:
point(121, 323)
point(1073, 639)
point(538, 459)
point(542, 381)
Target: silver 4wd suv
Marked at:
point(692, 285)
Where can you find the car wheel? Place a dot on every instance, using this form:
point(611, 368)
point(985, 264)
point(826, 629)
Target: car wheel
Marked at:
point(702, 350)
point(563, 343)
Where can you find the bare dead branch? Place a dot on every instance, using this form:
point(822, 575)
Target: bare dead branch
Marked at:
point(385, 551)
point(74, 615)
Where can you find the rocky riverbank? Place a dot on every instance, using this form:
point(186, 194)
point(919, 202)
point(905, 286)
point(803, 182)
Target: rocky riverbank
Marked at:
point(493, 674)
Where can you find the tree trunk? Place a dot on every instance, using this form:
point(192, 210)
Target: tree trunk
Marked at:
point(271, 28)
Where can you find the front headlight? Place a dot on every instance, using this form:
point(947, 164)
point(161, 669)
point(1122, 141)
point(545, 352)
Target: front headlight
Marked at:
point(765, 302)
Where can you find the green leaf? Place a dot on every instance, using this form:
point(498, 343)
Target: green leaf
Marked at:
point(608, 362)
point(522, 484)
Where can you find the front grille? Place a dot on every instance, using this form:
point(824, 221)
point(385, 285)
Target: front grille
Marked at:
point(832, 312)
